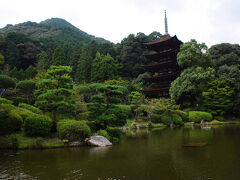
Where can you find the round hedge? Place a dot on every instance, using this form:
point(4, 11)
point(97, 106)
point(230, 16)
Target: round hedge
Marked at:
point(37, 125)
point(10, 121)
point(198, 116)
point(73, 130)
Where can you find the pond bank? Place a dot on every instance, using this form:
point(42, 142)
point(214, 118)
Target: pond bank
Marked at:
point(18, 141)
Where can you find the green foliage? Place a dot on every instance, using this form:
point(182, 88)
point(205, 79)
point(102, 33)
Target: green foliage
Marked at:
point(132, 55)
point(161, 106)
point(198, 116)
point(103, 109)
point(55, 91)
point(84, 66)
point(6, 82)
point(30, 72)
point(193, 54)
point(167, 119)
point(1, 59)
point(24, 113)
point(43, 61)
point(10, 121)
point(189, 85)
point(104, 133)
point(103, 68)
point(225, 54)
point(218, 98)
point(135, 99)
point(58, 57)
point(26, 85)
point(37, 125)
point(5, 101)
point(125, 83)
point(182, 114)
point(73, 130)
point(125, 109)
point(30, 108)
point(114, 132)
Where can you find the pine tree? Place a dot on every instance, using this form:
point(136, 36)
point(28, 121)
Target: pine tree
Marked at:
point(55, 92)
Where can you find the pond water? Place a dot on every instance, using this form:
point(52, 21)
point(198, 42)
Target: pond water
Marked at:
point(142, 155)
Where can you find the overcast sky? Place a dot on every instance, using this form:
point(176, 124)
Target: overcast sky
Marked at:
point(209, 21)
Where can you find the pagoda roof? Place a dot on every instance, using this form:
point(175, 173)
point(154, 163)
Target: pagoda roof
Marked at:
point(164, 64)
point(163, 42)
point(161, 76)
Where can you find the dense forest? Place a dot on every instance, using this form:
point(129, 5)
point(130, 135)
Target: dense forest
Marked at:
point(57, 80)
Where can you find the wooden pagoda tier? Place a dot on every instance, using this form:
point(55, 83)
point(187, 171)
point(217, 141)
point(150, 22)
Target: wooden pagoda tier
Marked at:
point(162, 65)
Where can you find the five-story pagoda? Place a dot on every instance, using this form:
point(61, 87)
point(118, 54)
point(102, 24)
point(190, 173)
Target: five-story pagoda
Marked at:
point(163, 65)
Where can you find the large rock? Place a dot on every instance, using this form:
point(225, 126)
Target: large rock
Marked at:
point(98, 141)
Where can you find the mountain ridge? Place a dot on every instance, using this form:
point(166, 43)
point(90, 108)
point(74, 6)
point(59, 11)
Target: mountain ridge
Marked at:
point(48, 28)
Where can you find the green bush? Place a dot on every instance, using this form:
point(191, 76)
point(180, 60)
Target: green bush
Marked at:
point(24, 113)
point(125, 109)
point(5, 101)
point(219, 118)
point(10, 121)
point(104, 133)
point(155, 118)
point(118, 116)
point(30, 108)
point(198, 116)
point(177, 120)
point(37, 125)
point(182, 114)
point(7, 107)
point(114, 132)
point(168, 118)
point(6, 82)
point(73, 130)
point(26, 85)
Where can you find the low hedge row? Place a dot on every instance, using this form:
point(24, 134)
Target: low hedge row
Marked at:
point(73, 130)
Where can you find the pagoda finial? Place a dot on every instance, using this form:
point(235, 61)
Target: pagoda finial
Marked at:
point(166, 25)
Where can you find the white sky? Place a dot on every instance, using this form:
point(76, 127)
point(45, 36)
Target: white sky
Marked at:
point(209, 21)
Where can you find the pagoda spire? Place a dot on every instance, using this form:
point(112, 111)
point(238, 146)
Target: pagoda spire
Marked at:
point(166, 24)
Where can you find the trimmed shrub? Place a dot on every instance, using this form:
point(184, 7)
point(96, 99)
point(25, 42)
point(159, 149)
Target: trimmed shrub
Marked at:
point(24, 113)
point(168, 118)
point(37, 125)
point(26, 85)
point(10, 121)
point(182, 114)
point(30, 108)
point(73, 130)
point(5, 101)
point(198, 116)
point(117, 116)
point(177, 120)
point(104, 133)
point(7, 107)
point(6, 82)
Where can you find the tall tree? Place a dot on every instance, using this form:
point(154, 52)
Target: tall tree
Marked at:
point(103, 68)
point(58, 57)
point(55, 91)
point(84, 66)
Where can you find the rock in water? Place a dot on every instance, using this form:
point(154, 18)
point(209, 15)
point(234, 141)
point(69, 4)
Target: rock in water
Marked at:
point(98, 141)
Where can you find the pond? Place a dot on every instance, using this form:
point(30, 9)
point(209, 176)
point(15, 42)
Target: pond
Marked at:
point(141, 155)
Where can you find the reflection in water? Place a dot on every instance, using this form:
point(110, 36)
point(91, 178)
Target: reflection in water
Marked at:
point(140, 155)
